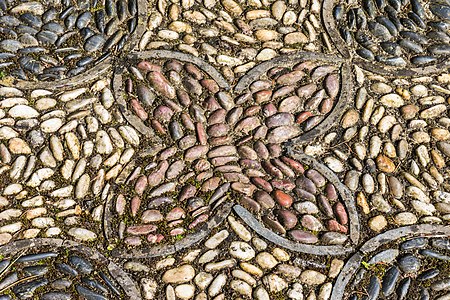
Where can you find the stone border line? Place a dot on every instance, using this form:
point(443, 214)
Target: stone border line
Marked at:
point(347, 198)
point(128, 285)
point(354, 262)
point(186, 242)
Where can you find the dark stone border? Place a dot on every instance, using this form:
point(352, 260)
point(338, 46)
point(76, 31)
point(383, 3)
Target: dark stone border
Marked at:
point(118, 84)
point(168, 54)
point(347, 198)
point(128, 285)
point(94, 72)
point(373, 66)
point(353, 264)
point(343, 100)
point(284, 60)
point(168, 249)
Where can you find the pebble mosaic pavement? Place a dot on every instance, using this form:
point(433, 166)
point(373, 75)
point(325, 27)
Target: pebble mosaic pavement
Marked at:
point(225, 149)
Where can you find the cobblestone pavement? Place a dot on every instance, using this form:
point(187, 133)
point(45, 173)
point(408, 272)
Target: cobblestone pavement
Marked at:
point(225, 149)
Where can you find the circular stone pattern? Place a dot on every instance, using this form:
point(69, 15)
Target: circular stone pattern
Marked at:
point(398, 33)
point(59, 39)
point(53, 269)
point(207, 145)
point(404, 268)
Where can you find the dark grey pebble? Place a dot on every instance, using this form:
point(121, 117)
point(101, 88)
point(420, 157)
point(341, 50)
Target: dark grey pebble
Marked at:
point(26, 290)
point(440, 25)
point(373, 289)
point(428, 274)
point(47, 37)
point(31, 20)
point(94, 43)
point(8, 280)
point(64, 38)
point(76, 71)
point(388, 24)
point(37, 257)
point(365, 53)
point(30, 65)
point(81, 264)
point(54, 27)
point(110, 7)
point(378, 30)
point(417, 8)
point(346, 35)
point(56, 296)
point(132, 7)
point(441, 10)
point(410, 46)
point(66, 12)
point(70, 21)
point(61, 284)
point(4, 55)
point(89, 294)
point(122, 10)
point(403, 288)
point(338, 12)
point(424, 294)
point(87, 33)
point(392, 61)
point(50, 15)
point(132, 23)
point(422, 60)
point(100, 20)
point(84, 19)
point(84, 61)
point(439, 49)
point(110, 283)
point(94, 284)
point(9, 21)
point(4, 264)
point(408, 24)
point(416, 243)
point(26, 29)
point(66, 269)
point(390, 280)
point(414, 36)
point(441, 243)
point(417, 20)
point(391, 48)
point(434, 254)
point(369, 7)
point(441, 285)
point(39, 270)
point(396, 4)
point(439, 36)
point(409, 263)
point(29, 50)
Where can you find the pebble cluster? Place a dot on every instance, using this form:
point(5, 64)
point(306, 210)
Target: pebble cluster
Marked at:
point(63, 38)
point(49, 270)
point(57, 159)
point(236, 35)
point(417, 267)
point(236, 264)
point(395, 33)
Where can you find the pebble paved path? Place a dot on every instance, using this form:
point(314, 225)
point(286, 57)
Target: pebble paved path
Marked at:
point(225, 149)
